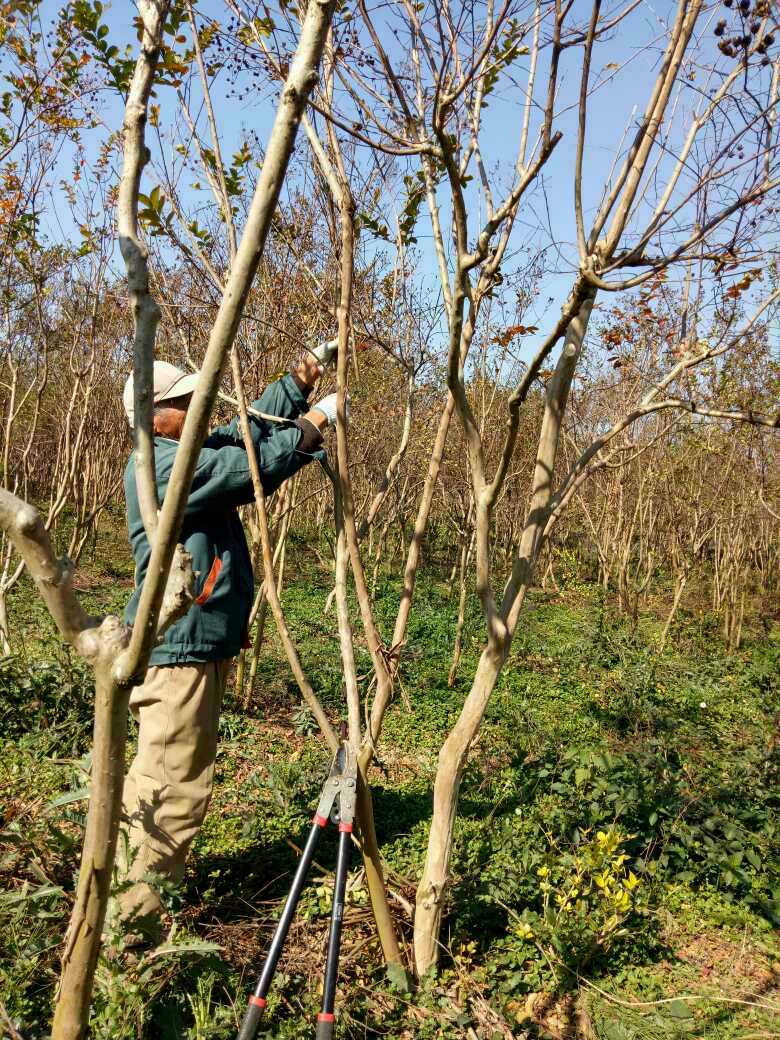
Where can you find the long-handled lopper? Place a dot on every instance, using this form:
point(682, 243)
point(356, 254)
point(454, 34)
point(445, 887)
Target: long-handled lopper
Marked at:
point(337, 802)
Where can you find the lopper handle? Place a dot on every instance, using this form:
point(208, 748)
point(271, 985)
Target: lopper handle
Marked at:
point(257, 1002)
point(251, 1022)
point(324, 1029)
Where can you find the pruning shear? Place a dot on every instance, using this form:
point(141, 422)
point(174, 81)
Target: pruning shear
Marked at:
point(337, 803)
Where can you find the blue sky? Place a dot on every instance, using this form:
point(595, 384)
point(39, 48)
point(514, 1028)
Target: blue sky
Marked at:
point(547, 219)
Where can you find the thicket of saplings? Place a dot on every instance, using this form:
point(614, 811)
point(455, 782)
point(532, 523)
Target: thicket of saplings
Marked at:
point(618, 817)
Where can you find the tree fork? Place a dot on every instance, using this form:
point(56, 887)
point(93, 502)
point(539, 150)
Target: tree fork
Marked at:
point(454, 752)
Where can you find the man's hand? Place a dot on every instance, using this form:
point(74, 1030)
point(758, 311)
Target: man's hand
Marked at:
point(323, 413)
point(313, 363)
point(326, 352)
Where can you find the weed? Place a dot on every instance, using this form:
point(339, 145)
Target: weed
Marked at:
point(619, 808)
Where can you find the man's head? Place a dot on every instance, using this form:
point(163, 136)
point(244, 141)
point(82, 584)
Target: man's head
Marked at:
point(173, 391)
point(168, 418)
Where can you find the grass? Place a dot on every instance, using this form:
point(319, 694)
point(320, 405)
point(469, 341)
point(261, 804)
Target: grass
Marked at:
point(645, 782)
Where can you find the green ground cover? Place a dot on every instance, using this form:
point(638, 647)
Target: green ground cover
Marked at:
point(616, 864)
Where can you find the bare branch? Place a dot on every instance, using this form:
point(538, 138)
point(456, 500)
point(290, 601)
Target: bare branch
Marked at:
point(146, 313)
point(53, 578)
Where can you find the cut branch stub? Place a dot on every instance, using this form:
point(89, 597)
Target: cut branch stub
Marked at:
point(179, 590)
point(54, 578)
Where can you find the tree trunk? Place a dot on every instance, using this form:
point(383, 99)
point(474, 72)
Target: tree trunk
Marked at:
point(372, 864)
point(380, 546)
point(126, 664)
point(5, 634)
point(82, 943)
point(682, 581)
point(421, 524)
point(262, 615)
point(452, 759)
point(465, 552)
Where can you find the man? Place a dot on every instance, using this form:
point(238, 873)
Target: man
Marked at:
point(168, 787)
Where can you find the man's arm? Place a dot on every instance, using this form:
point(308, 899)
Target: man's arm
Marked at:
point(222, 476)
point(288, 398)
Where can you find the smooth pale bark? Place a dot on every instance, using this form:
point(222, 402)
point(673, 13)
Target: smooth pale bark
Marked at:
point(129, 664)
point(418, 536)
point(262, 614)
point(53, 578)
point(5, 645)
point(146, 313)
point(271, 589)
point(259, 612)
point(465, 554)
point(682, 581)
point(346, 635)
point(412, 565)
point(368, 521)
point(432, 888)
point(372, 864)
point(369, 844)
point(83, 941)
point(348, 546)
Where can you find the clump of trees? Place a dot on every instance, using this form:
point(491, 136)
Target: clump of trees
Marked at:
point(559, 344)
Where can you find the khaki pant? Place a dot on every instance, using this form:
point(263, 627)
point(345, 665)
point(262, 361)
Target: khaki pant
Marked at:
point(168, 787)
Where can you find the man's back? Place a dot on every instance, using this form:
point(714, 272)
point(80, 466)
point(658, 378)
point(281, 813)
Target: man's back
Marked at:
point(214, 627)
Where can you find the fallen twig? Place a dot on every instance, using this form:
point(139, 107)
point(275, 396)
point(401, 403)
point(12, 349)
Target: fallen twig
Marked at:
point(15, 1034)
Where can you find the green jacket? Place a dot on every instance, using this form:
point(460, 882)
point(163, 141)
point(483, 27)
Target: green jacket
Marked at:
point(215, 626)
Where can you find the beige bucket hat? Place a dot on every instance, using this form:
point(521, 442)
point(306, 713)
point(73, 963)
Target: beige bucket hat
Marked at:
point(169, 382)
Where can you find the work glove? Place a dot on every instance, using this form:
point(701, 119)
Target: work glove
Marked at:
point(328, 408)
point(326, 352)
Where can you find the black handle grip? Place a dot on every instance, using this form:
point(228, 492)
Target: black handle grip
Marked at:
point(251, 1021)
point(324, 1030)
point(255, 1010)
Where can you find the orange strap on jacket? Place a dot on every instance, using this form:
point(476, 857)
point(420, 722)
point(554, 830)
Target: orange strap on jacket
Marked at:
point(211, 581)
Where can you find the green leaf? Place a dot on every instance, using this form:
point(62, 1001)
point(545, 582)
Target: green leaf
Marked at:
point(615, 1031)
point(174, 949)
point(9, 899)
point(679, 1009)
point(398, 976)
point(80, 795)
